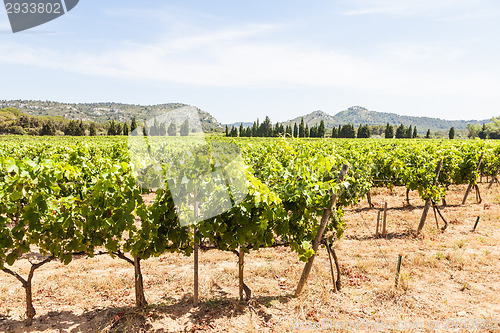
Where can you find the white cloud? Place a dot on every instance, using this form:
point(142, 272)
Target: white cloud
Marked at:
point(439, 9)
point(234, 57)
point(4, 21)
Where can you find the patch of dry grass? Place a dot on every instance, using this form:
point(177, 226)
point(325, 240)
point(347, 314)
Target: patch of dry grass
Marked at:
point(450, 275)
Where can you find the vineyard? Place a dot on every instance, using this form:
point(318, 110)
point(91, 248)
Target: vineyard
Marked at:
point(74, 200)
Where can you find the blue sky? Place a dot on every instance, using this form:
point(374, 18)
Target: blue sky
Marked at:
point(243, 60)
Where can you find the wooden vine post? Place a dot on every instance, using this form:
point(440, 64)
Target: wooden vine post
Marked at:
point(472, 182)
point(378, 223)
point(241, 257)
point(475, 224)
point(428, 202)
point(319, 235)
point(398, 270)
point(196, 250)
point(384, 221)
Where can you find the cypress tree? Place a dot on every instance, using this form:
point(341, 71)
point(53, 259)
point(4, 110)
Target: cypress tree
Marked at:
point(155, 129)
point(172, 129)
point(48, 129)
point(184, 130)
point(401, 132)
point(334, 132)
point(389, 131)
point(321, 129)
point(133, 125)
point(81, 129)
point(347, 131)
point(363, 132)
point(313, 132)
point(234, 132)
point(451, 134)
point(409, 132)
point(112, 128)
point(92, 130)
point(281, 130)
point(162, 129)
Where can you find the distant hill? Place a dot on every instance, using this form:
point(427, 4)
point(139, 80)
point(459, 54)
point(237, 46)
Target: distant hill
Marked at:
point(104, 112)
point(237, 125)
point(13, 121)
point(314, 118)
point(357, 115)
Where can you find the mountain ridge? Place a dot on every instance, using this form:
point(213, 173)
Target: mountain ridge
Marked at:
point(104, 112)
point(358, 115)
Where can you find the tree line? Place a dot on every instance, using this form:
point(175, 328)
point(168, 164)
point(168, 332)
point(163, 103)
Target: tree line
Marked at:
point(13, 121)
point(486, 131)
point(75, 128)
point(302, 130)
point(266, 129)
point(161, 129)
point(157, 129)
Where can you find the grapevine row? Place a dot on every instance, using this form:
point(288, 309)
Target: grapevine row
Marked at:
point(81, 197)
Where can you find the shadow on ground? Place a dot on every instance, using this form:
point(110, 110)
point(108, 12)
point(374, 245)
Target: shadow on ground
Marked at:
point(130, 319)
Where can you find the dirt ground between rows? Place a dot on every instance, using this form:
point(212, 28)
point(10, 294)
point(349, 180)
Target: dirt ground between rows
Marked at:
point(444, 277)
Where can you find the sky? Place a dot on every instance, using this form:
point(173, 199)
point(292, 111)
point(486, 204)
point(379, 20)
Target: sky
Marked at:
point(242, 60)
